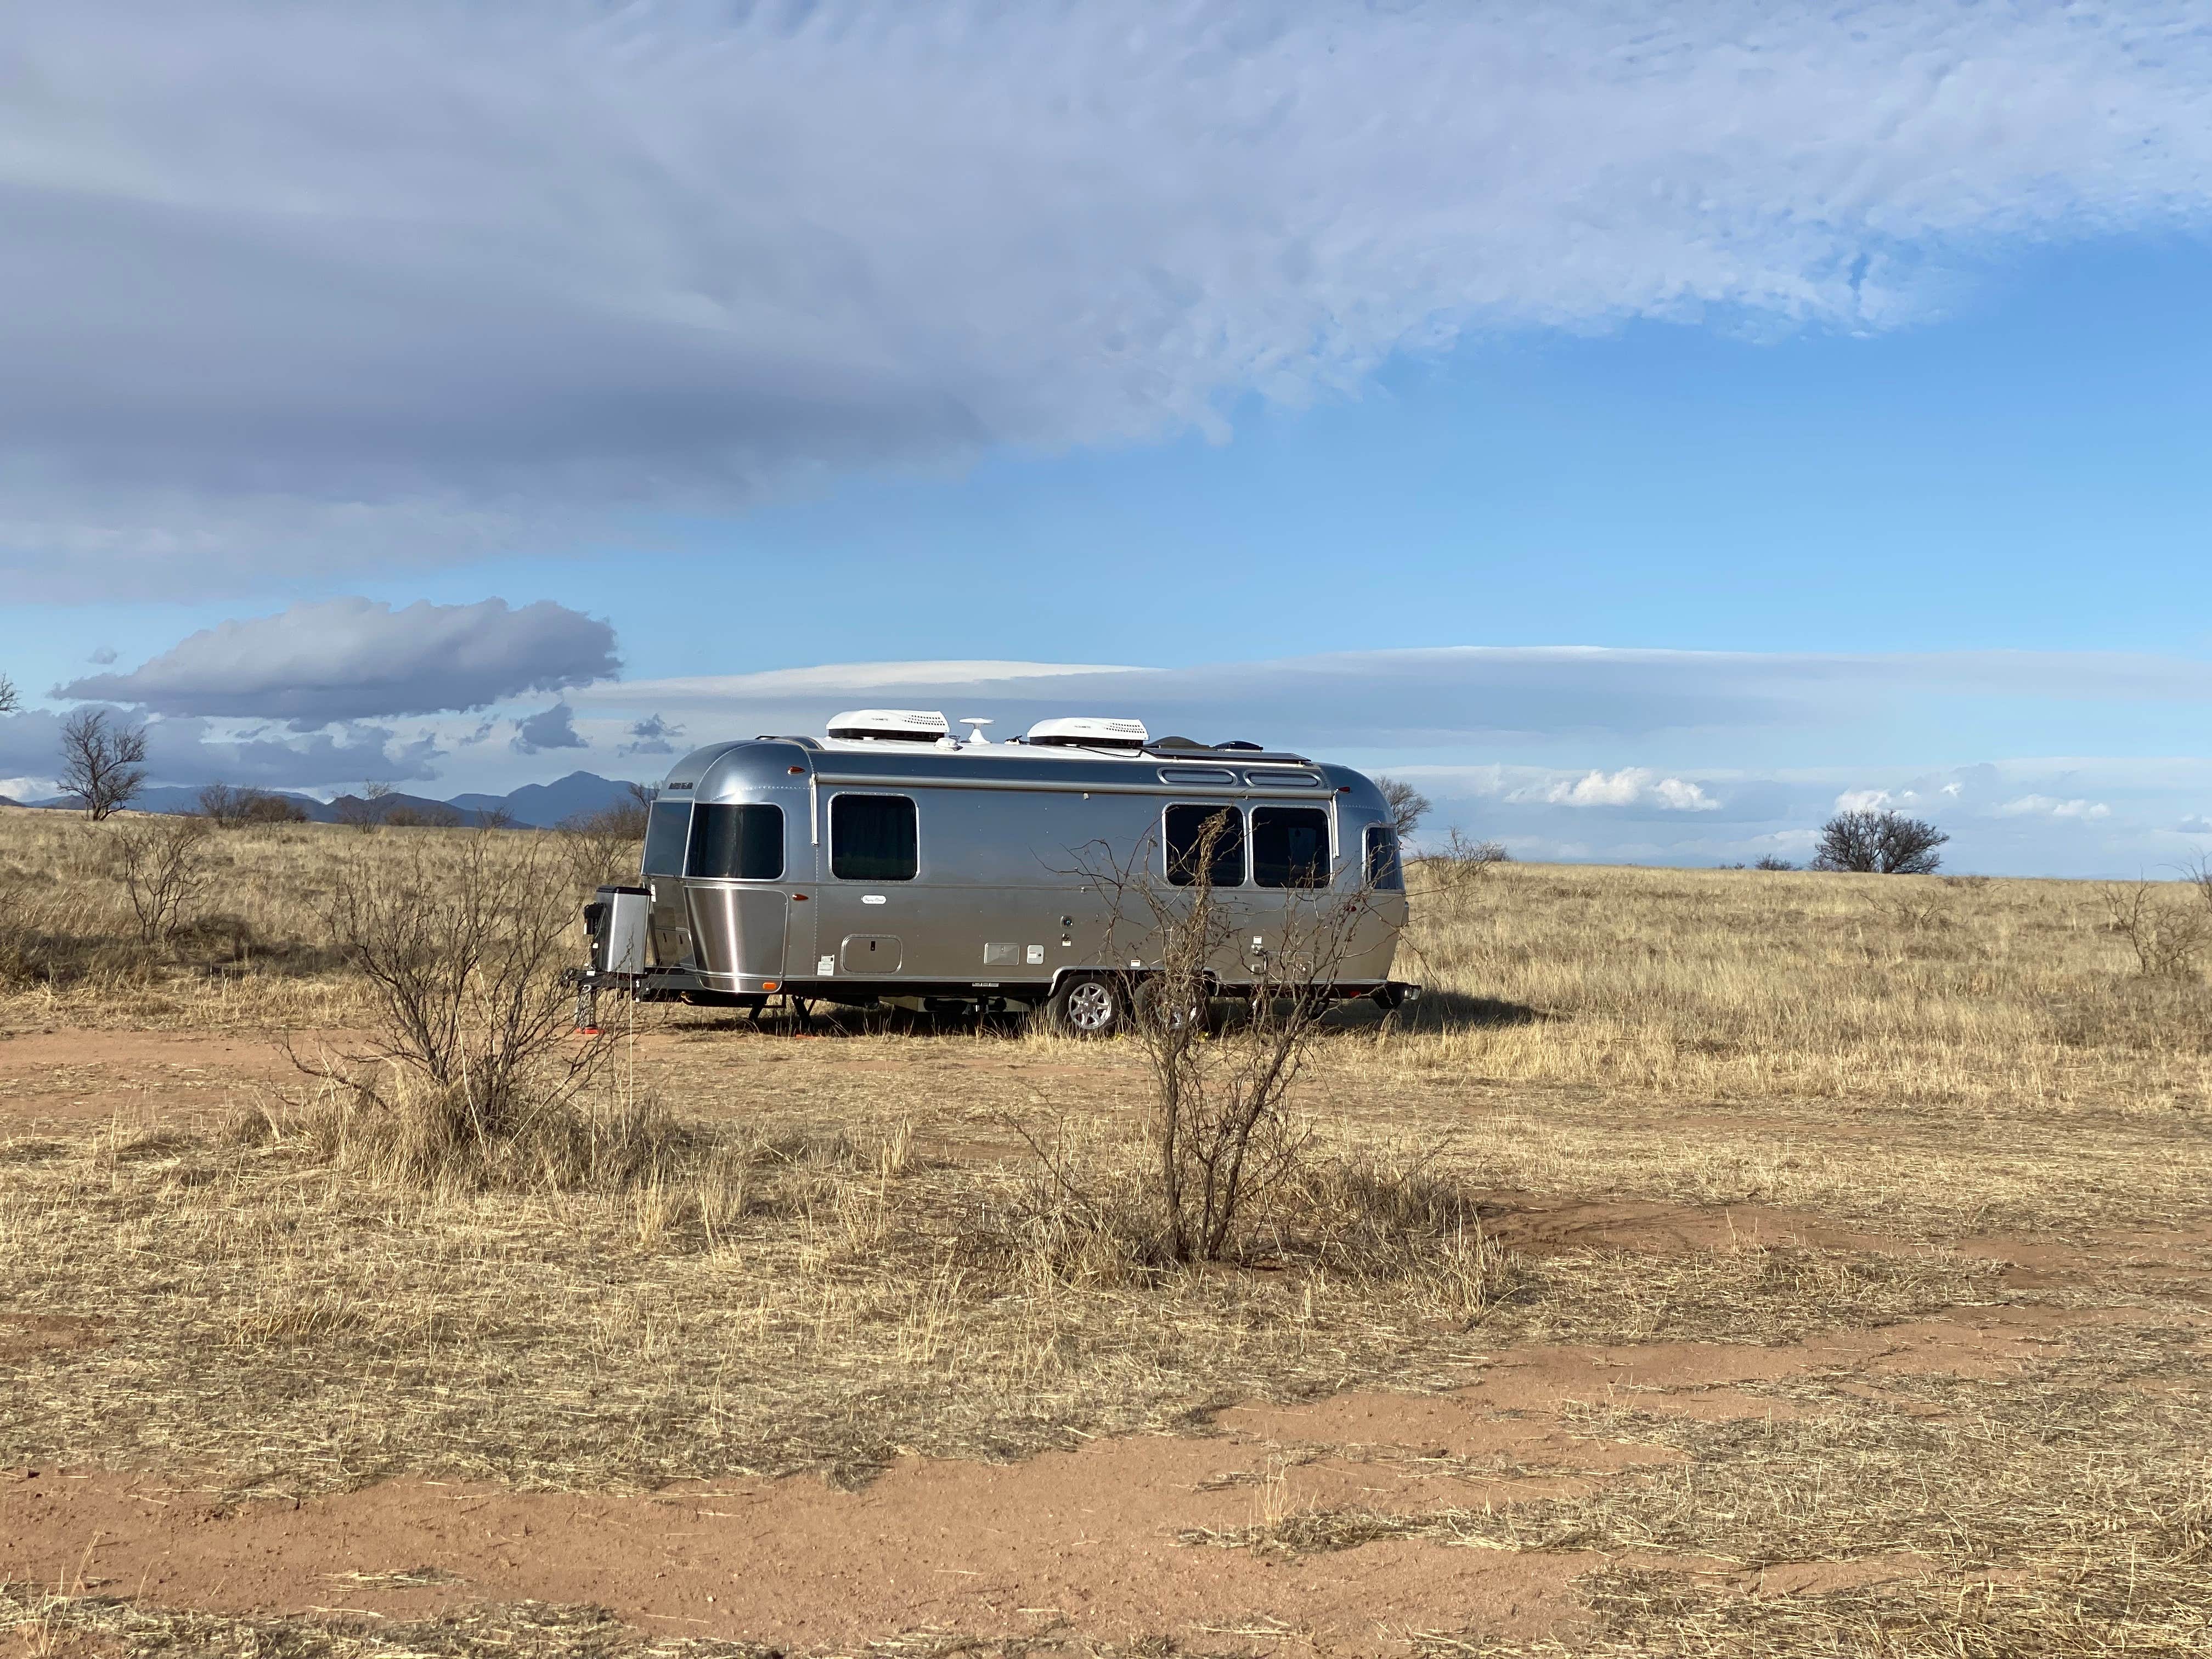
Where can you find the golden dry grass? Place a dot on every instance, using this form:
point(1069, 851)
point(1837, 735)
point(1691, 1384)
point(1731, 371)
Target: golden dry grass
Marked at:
point(842, 1251)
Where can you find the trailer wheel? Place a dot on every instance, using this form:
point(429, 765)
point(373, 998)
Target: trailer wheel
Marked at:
point(1152, 1008)
point(1085, 1006)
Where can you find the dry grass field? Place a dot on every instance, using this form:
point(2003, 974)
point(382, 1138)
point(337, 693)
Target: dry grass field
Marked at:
point(1715, 1262)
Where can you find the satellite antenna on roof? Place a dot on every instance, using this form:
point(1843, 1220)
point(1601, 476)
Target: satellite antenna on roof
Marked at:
point(975, 723)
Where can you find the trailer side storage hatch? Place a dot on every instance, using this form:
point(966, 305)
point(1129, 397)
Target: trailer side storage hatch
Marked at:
point(866, 955)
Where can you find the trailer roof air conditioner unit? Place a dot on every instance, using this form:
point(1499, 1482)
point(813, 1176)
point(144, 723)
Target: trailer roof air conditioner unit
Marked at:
point(890, 726)
point(1089, 731)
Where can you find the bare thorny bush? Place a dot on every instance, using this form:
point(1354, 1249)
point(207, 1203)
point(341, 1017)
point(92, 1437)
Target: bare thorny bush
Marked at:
point(1226, 1152)
point(472, 1066)
point(162, 859)
point(603, 846)
point(2167, 937)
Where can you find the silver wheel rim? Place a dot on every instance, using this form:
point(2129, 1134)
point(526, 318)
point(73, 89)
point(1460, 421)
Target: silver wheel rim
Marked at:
point(1090, 1006)
point(1172, 1019)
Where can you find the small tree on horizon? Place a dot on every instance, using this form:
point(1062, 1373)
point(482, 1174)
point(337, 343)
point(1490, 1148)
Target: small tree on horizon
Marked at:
point(1879, 843)
point(1407, 805)
point(101, 762)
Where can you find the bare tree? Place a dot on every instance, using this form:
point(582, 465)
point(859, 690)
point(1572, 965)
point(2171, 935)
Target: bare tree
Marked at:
point(101, 762)
point(1407, 805)
point(225, 807)
point(262, 807)
point(1223, 1138)
point(10, 698)
point(1769, 862)
point(164, 860)
point(364, 811)
point(1879, 843)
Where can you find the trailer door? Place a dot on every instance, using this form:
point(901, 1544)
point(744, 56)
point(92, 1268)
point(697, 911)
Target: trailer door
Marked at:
point(867, 900)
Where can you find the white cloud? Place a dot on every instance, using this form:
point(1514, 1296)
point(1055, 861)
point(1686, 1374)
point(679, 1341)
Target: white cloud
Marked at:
point(435, 276)
point(1863, 800)
point(1632, 786)
point(2049, 806)
point(354, 658)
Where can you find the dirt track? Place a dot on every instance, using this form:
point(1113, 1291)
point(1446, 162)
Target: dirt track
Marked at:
point(1095, 1538)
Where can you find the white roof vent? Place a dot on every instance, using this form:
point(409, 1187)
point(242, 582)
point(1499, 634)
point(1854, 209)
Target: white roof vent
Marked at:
point(890, 726)
point(1089, 732)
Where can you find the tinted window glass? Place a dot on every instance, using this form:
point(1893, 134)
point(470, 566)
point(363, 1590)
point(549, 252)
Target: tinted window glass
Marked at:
point(745, 842)
point(1383, 871)
point(872, 838)
point(1290, 847)
point(1186, 833)
point(664, 838)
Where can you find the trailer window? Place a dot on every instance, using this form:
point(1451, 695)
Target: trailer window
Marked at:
point(1384, 873)
point(873, 838)
point(745, 842)
point(664, 838)
point(1290, 847)
point(1186, 835)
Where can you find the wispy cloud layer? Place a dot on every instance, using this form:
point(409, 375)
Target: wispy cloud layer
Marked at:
point(434, 278)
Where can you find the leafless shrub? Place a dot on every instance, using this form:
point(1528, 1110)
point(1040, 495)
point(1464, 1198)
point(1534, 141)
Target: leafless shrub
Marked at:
point(1879, 843)
point(603, 846)
point(1920, 912)
point(1455, 872)
point(276, 809)
point(464, 955)
point(2167, 937)
point(162, 858)
point(1222, 1136)
point(101, 762)
point(11, 699)
point(1769, 862)
point(229, 808)
point(433, 815)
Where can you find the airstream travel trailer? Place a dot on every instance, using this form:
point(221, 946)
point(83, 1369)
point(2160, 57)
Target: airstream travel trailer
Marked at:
point(894, 862)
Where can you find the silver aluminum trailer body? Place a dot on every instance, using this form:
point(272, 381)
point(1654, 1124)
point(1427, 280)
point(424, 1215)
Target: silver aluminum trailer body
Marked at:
point(854, 871)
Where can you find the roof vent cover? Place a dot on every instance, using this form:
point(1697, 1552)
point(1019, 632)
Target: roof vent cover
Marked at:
point(1089, 731)
point(890, 726)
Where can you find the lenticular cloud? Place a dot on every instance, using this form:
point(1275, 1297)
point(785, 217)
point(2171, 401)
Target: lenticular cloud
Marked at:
point(434, 277)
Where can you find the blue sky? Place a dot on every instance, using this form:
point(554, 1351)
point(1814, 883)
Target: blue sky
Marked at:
point(1793, 337)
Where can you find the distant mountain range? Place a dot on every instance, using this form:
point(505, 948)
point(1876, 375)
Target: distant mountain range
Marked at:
point(535, 805)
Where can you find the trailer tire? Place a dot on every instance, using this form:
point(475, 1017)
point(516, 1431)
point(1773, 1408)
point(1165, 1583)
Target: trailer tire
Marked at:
point(1086, 1006)
point(1152, 1010)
